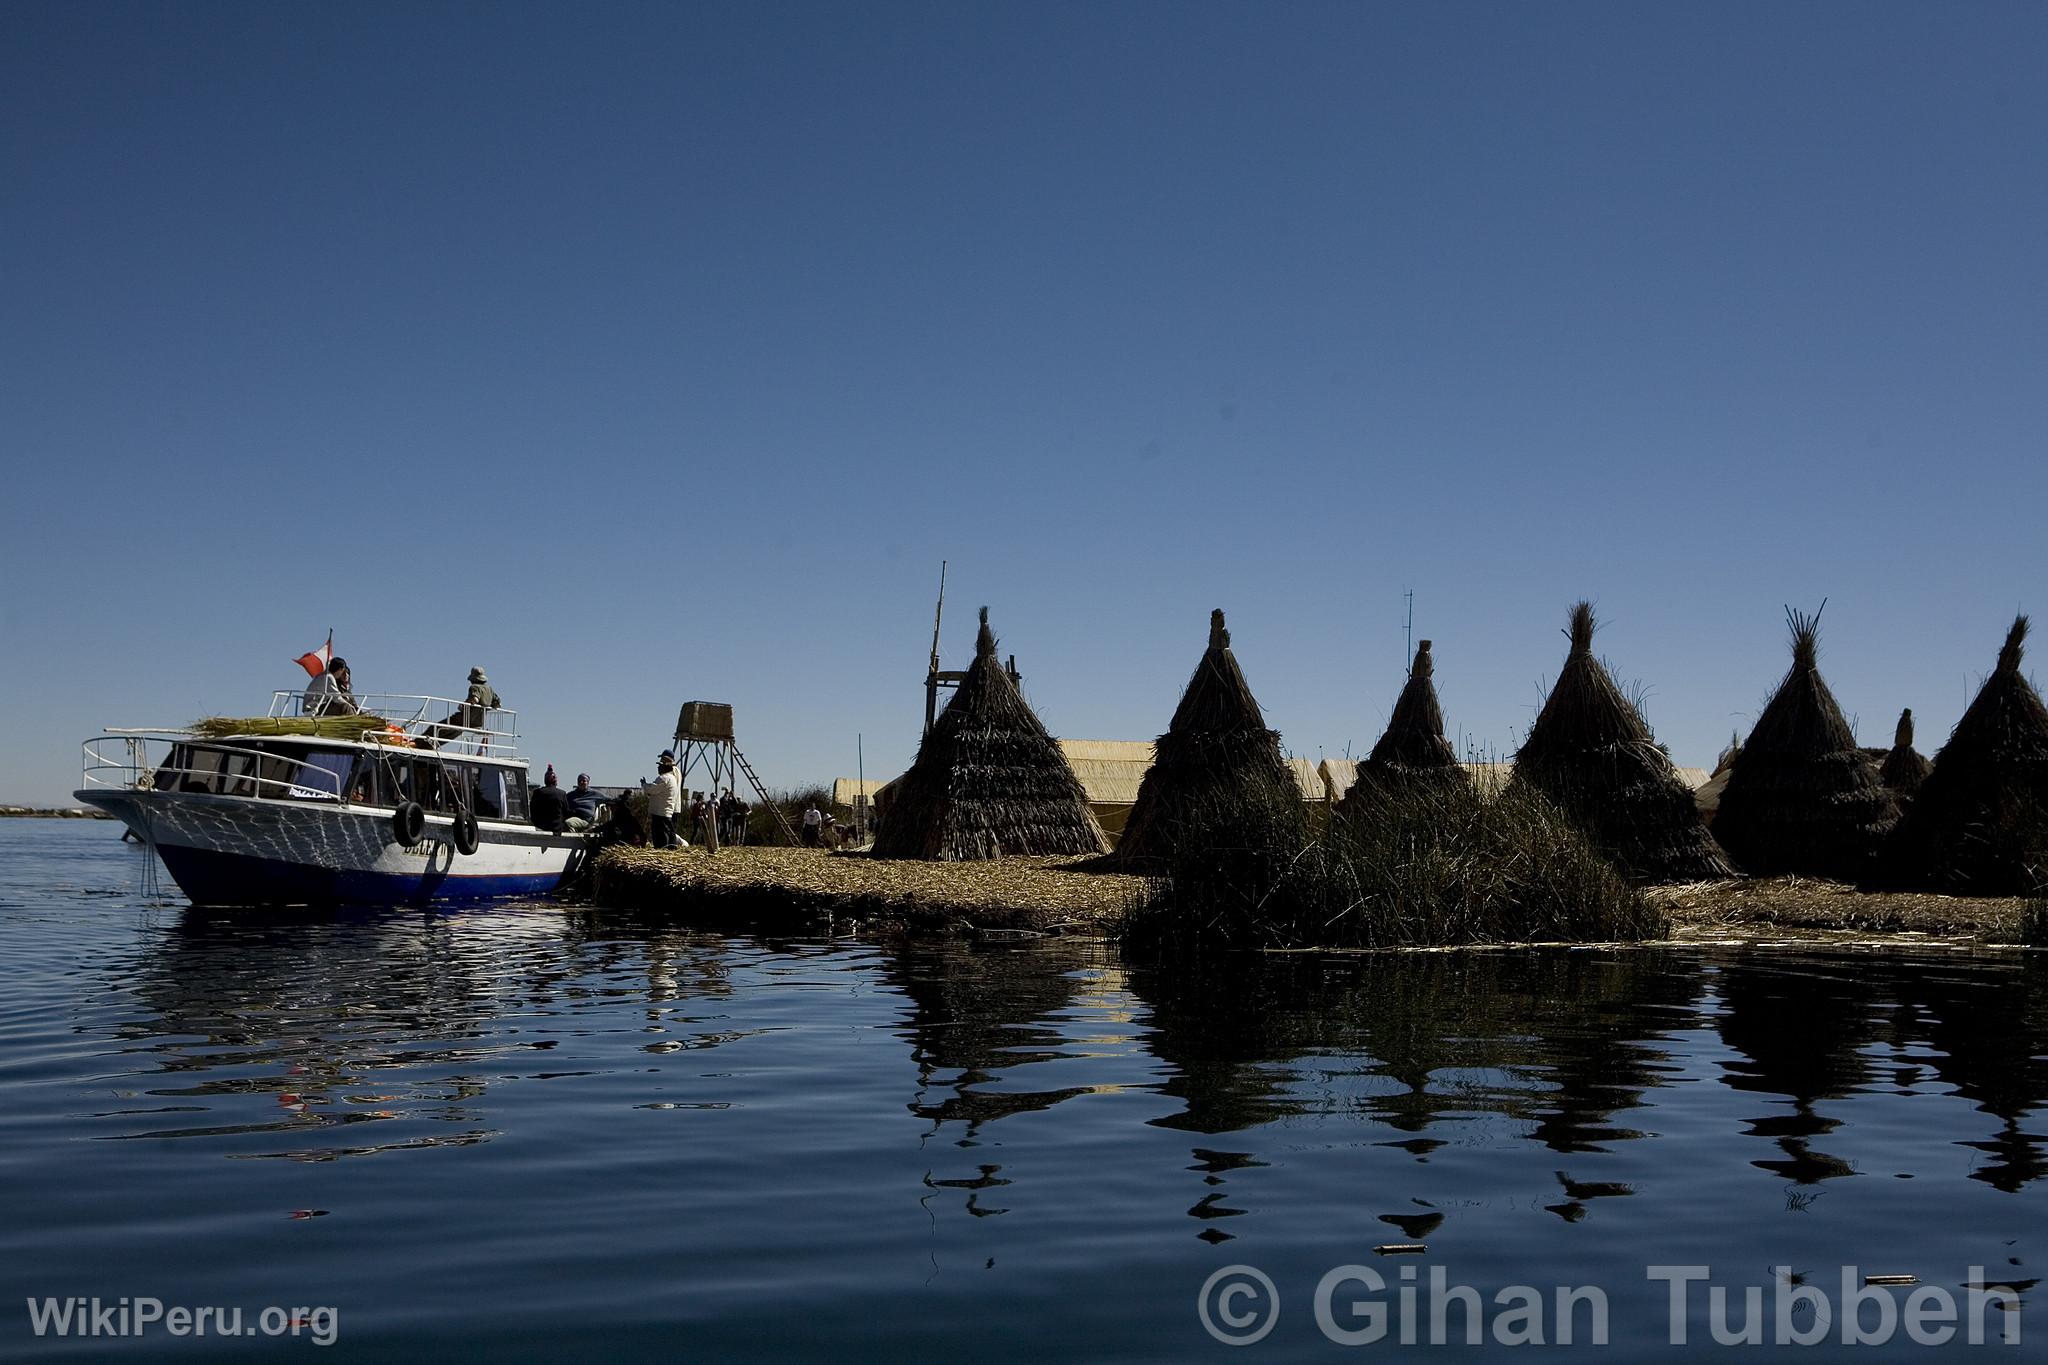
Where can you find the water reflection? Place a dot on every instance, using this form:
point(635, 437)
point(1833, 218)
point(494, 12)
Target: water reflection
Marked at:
point(342, 1034)
point(982, 1018)
point(1422, 1043)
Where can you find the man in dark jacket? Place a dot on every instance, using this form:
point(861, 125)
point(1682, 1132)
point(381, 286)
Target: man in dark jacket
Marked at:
point(550, 805)
point(584, 801)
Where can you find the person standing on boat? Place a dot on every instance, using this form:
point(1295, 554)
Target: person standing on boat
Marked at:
point(664, 799)
point(329, 694)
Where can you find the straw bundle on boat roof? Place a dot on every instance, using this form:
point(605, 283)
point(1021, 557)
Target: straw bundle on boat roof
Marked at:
point(988, 780)
point(1217, 761)
point(1802, 797)
point(1979, 824)
point(1592, 753)
point(1413, 749)
point(1904, 768)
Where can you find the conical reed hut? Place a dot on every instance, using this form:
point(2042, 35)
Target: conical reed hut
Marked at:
point(1591, 752)
point(1904, 768)
point(1802, 797)
point(1979, 824)
point(1413, 748)
point(989, 781)
point(1216, 768)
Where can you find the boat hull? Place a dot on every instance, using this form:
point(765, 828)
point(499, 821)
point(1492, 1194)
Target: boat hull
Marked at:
point(232, 851)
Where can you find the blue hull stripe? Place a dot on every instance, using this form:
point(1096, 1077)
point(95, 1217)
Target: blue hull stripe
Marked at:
point(211, 878)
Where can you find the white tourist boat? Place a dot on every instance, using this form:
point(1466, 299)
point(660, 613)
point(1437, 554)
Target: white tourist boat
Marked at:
point(425, 802)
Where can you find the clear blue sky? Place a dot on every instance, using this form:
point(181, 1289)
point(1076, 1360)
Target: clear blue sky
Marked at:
point(642, 353)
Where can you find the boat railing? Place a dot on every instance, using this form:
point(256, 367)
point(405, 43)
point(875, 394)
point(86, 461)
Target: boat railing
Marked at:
point(216, 767)
point(449, 724)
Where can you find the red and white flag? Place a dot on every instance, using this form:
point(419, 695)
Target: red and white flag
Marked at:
point(314, 661)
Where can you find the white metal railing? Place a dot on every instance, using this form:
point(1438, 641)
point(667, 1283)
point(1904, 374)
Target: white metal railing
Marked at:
point(222, 769)
point(449, 724)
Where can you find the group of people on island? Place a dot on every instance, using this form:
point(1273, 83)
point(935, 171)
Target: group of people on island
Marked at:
point(712, 819)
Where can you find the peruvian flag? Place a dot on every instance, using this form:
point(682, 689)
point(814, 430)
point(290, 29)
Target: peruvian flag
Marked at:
point(314, 661)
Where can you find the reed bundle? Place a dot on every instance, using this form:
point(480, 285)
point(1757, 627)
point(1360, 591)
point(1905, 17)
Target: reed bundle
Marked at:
point(353, 727)
point(1592, 753)
point(1979, 824)
point(1217, 772)
point(1802, 797)
point(988, 781)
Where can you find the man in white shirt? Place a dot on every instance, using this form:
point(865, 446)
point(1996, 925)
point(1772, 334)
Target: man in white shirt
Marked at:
point(813, 822)
point(664, 799)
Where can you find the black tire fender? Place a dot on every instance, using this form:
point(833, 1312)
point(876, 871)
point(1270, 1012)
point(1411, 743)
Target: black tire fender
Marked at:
point(465, 834)
point(408, 823)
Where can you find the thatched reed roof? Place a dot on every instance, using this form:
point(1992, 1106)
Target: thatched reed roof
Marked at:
point(988, 780)
point(1110, 770)
point(1904, 768)
point(1979, 824)
point(1412, 748)
point(847, 791)
point(1308, 780)
point(1217, 759)
point(1592, 753)
point(1338, 775)
point(1802, 798)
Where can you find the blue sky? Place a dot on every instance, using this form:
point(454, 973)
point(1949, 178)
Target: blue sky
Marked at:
point(643, 353)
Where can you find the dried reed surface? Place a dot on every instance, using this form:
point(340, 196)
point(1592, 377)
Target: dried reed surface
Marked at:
point(788, 884)
point(1979, 825)
point(1591, 752)
point(317, 727)
point(1802, 798)
point(1905, 768)
point(1413, 747)
point(1216, 762)
point(1788, 905)
point(988, 782)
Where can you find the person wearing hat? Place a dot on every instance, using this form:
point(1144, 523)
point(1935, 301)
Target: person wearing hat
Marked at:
point(664, 799)
point(550, 805)
point(329, 694)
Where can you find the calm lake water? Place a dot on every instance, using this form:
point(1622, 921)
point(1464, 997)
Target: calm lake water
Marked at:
point(541, 1133)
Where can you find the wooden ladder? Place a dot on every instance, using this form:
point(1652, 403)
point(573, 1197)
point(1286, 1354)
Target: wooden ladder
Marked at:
point(781, 819)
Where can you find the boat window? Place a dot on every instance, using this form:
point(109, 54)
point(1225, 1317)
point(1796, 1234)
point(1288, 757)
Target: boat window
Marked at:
point(384, 780)
point(430, 786)
point(322, 777)
point(515, 793)
point(240, 775)
point(491, 793)
point(201, 770)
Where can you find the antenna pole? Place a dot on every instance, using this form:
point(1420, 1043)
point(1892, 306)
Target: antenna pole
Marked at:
point(931, 677)
point(1408, 633)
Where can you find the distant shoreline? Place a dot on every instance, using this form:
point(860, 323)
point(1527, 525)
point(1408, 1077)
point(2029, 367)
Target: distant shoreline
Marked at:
point(53, 813)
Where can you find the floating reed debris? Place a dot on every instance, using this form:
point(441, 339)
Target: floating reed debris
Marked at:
point(1905, 768)
point(1413, 747)
point(1979, 824)
point(1591, 752)
point(1801, 796)
point(988, 782)
point(1217, 777)
point(786, 885)
point(352, 727)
